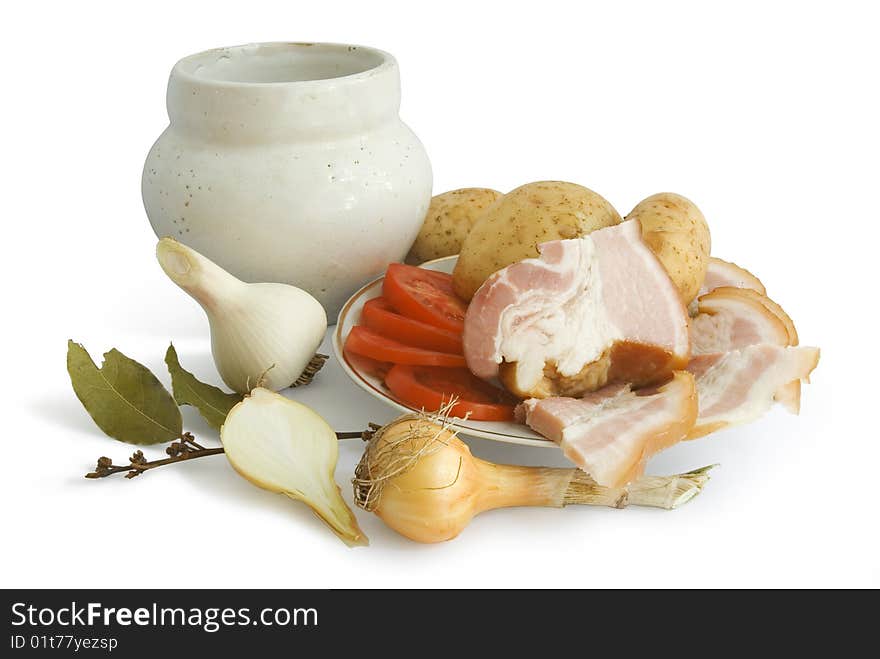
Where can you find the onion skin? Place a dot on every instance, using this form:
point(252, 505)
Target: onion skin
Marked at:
point(285, 447)
point(438, 496)
point(444, 491)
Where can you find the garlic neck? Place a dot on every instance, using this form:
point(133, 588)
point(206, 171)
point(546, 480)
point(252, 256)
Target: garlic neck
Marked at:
point(511, 485)
point(209, 284)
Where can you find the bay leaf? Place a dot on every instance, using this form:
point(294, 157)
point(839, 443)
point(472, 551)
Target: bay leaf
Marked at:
point(123, 397)
point(212, 402)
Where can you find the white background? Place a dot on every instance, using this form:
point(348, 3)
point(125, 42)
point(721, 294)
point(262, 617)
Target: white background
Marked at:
point(765, 114)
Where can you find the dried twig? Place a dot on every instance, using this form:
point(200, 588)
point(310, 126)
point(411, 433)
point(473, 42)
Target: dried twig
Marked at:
point(186, 448)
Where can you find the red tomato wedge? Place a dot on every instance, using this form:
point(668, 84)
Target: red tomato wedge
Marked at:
point(364, 341)
point(430, 388)
point(379, 316)
point(366, 365)
point(424, 295)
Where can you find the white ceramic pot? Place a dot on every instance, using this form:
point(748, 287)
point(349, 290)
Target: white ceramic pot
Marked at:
point(288, 162)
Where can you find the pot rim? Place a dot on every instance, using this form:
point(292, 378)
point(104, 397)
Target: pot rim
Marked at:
point(183, 67)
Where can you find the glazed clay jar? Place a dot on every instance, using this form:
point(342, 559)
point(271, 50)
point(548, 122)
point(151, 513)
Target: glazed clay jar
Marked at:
point(289, 163)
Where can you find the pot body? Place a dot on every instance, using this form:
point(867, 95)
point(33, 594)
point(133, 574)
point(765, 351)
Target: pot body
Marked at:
point(289, 163)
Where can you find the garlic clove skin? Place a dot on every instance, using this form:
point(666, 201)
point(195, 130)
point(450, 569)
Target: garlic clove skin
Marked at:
point(266, 337)
point(261, 334)
point(283, 446)
point(205, 281)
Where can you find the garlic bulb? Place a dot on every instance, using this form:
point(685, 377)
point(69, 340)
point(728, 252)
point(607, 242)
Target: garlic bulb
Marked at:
point(260, 333)
point(283, 446)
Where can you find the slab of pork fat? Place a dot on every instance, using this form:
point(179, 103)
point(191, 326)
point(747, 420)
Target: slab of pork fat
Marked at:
point(587, 312)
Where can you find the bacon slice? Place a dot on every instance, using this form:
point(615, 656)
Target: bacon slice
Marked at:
point(739, 386)
point(720, 273)
point(589, 311)
point(611, 433)
point(732, 318)
point(724, 273)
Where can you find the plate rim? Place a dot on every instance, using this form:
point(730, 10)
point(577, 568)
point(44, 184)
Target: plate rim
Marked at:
point(368, 386)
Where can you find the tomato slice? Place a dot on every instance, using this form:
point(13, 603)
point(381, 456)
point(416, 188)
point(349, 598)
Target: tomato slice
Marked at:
point(430, 388)
point(364, 341)
point(424, 295)
point(366, 365)
point(378, 315)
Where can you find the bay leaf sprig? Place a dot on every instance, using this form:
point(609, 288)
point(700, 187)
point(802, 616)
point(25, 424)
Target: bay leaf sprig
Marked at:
point(123, 397)
point(212, 402)
point(127, 401)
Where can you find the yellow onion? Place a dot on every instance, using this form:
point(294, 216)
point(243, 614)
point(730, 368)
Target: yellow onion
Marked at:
point(423, 482)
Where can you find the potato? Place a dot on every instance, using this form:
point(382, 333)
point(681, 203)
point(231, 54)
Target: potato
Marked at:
point(677, 233)
point(516, 224)
point(449, 220)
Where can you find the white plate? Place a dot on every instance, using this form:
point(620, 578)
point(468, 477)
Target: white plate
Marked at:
point(502, 431)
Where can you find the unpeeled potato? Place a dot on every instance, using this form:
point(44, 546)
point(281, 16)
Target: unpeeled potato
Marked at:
point(450, 218)
point(513, 227)
point(677, 233)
